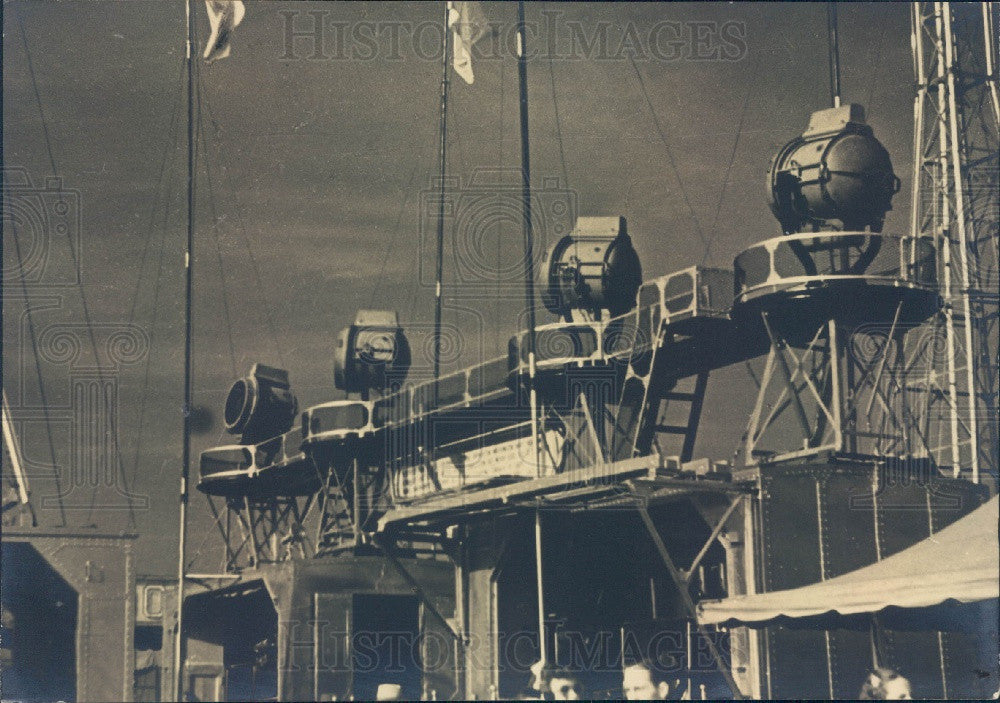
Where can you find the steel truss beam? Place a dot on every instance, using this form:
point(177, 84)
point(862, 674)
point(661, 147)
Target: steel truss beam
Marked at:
point(817, 412)
point(267, 530)
point(955, 202)
point(844, 390)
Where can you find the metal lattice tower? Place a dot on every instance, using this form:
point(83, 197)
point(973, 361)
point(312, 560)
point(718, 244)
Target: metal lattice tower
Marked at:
point(955, 202)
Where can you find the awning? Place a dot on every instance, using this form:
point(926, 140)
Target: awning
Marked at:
point(960, 563)
point(243, 610)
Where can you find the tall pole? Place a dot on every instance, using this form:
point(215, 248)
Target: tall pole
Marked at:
point(186, 440)
point(529, 295)
point(831, 29)
point(529, 249)
point(442, 168)
point(540, 585)
point(989, 55)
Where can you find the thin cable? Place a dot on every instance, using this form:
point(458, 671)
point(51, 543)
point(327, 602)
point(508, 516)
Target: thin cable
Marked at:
point(152, 340)
point(670, 154)
point(268, 317)
point(393, 237)
point(875, 74)
point(34, 86)
point(215, 233)
point(732, 160)
point(198, 550)
point(416, 262)
point(38, 370)
point(169, 153)
point(169, 157)
point(555, 108)
point(24, 288)
point(496, 326)
point(79, 282)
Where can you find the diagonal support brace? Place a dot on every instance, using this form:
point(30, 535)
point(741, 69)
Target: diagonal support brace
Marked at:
point(682, 587)
point(418, 591)
point(711, 538)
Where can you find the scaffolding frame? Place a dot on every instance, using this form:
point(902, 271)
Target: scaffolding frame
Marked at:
point(839, 389)
point(630, 484)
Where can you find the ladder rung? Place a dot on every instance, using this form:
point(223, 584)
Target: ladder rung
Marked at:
point(982, 395)
point(680, 396)
point(874, 435)
point(673, 429)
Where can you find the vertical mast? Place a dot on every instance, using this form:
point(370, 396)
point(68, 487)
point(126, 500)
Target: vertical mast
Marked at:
point(443, 165)
point(831, 30)
point(529, 295)
point(186, 439)
point(529, 260)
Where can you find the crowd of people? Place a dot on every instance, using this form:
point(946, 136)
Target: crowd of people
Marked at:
point(641, 681)
point(644, 681)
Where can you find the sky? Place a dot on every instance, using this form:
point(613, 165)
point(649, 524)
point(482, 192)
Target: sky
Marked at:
point(315, 168)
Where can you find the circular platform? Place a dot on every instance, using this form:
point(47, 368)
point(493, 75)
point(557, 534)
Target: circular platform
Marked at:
point(225, 471)
point(854, 277)
point(337, 422)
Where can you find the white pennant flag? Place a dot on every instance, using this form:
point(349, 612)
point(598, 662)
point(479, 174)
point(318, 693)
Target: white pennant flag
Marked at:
point(223, 16)
point(468, 23)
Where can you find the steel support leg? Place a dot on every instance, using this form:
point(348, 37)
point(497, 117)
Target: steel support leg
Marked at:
point(682, 587)
point(711, 538)
point(418, 591)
